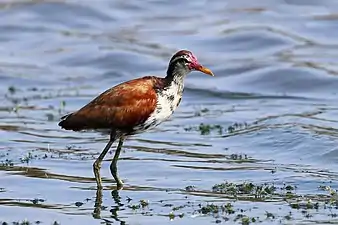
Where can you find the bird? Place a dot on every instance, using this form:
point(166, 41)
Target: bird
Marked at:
point(133, 107)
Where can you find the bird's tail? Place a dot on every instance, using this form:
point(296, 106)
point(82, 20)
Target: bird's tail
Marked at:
point(67, 123)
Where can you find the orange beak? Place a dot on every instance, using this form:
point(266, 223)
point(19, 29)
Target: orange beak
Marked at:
point(204, 70)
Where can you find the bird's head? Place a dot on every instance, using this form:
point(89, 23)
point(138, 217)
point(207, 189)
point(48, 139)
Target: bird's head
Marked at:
point(184, 62)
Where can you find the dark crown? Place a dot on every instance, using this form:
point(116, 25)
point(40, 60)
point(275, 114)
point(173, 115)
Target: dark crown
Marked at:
point(179, 54)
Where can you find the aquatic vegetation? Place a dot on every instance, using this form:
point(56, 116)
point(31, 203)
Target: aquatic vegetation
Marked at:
point(226, 212)
point(176, 208)
point(216, 209)
point(21, 98)
point(28, 157)
point(270, 215)
point(142, 204)
point(37, 201)
point(6, 163)
point(209, 208)
point(305, 204)
point(237, 203)
point(207, 129)
point(78, 204)
point(239, 157)
point(190, 188)
point(244, 220)
point(26, 222)
point(12, 90)
point(250, 189)
point(229, 207)
point(202, 112)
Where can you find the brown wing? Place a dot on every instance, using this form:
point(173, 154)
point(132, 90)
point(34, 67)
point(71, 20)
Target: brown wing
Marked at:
point(121, 107)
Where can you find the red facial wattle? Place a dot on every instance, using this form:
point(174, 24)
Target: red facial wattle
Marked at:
point(195, 65)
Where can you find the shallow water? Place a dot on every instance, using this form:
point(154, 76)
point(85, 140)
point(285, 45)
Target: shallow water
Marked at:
point(273, 100)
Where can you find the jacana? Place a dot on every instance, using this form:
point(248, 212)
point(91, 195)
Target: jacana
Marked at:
point(133, 107)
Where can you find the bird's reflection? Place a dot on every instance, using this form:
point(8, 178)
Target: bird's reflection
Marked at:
point(98, 204)
point(114, 211)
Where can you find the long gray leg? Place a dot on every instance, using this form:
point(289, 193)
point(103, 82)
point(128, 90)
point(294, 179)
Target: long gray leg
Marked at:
point(113, 165)
point(97, 163)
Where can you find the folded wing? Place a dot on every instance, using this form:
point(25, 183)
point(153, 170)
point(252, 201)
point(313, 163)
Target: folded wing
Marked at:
point(121, 107)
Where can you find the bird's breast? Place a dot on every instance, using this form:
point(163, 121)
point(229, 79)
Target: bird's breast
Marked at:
point(167, 101)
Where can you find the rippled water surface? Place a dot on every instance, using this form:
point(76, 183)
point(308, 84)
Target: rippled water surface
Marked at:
point(267, 119)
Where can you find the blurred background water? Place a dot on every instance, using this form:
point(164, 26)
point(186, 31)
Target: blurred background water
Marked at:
point(275, 87)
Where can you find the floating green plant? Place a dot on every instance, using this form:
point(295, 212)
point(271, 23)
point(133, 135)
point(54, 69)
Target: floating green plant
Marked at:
point(246, 188)
point(12, 90)
point(206, 129)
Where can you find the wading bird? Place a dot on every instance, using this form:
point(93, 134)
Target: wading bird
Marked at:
point(133, 107)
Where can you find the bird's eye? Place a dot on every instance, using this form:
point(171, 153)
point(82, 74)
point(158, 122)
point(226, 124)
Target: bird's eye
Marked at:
point(186, 61)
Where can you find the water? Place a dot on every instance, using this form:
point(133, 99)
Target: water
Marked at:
point(274, 96)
